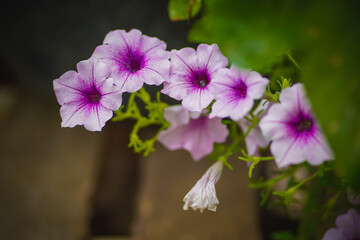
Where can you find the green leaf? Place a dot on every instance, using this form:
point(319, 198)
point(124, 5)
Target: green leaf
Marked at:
point(322, 37)
point(180, 10)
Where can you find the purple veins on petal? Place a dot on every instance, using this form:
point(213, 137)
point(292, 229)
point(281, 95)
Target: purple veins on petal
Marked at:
point(192, 74)
point(236, 90)
point(295, 134)
point(192, 131)
point(134, 59)
point(87, 97)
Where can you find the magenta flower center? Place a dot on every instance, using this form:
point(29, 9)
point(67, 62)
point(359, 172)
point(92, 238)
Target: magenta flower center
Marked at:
point(200, 78)
point(241, 89)
point(134, 61)
point(93, 97)
point(302, 124)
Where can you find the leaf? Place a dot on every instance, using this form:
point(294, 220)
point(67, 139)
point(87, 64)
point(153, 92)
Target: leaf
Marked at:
point(180, 10)
point(323, 37)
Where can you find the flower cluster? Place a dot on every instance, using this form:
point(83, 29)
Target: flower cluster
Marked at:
point(124, 62)
point(209, 92)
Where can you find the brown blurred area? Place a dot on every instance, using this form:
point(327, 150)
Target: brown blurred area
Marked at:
point(61, 183)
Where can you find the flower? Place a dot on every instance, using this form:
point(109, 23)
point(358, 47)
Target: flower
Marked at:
point(348, 227)
point(296, 135)
point(353, 197)
point(255, 138)
point(134, 59)
point(192, 74)
point(236, 90)
point(192, 131)
point(87, 97)
point(203, 194)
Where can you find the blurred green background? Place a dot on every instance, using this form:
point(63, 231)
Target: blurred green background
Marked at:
point(315, 42)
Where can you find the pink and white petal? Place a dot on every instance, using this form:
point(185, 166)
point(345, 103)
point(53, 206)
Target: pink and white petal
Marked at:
point(176, 115)
point(132, 38)
point(217, 131)
point(273, 124)
point(67, 88)
point(111, 95)
point(105, 53)
point(74, 113)
point(112, 100)
point(198, 143)
point(295, 96)
point(173, 137)
point(211, 57)
point(116, 37)
point(85, 70)
point(287, 151)
point(151, 44)
point(349, 223)
point(176, 90)
point(183, 60)
point(100, 72)
point(242, 107)
point(97, 117)
point(222, 109)
point(197, 100)
point(257, 88)
point(157, 54)
point(131, 83)
point(156, 72)
point(334, 234)
point(196, 115)
point(224, 78)
point(254, 140)
point(316, 150)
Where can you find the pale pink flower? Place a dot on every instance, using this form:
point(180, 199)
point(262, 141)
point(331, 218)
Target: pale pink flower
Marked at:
point(296, 135)
point(348, 227)
point(192, 131)
point(134, 58)
point(192, 75)
point(236, 90)
point(352, 196)
point(255, 139)
point(87, 97)
point(203, 194)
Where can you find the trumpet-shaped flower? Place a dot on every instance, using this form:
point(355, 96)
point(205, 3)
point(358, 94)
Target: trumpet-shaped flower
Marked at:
point(296, 135)
point(255, 138)
point(192, 75)
point(203, 194)
point(134, 59)
point(348, 227)
point(87, 97)
point(192, 131)
point(236, 90)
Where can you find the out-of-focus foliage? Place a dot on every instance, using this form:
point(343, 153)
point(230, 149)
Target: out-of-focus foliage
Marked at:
point(180, 10)
point(321, 36)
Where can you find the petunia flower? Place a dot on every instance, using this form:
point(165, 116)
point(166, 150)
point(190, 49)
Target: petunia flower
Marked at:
point(192, 75)
point(192, 131)
point(203, 194)
point(255, 139)
point(87, 97)
point(348, 227)
point(295, 133)
point(236, 90)
point(353, 197)
point(134, 59)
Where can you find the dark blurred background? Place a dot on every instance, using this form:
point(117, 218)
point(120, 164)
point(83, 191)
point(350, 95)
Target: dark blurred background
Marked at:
point(73, 184)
